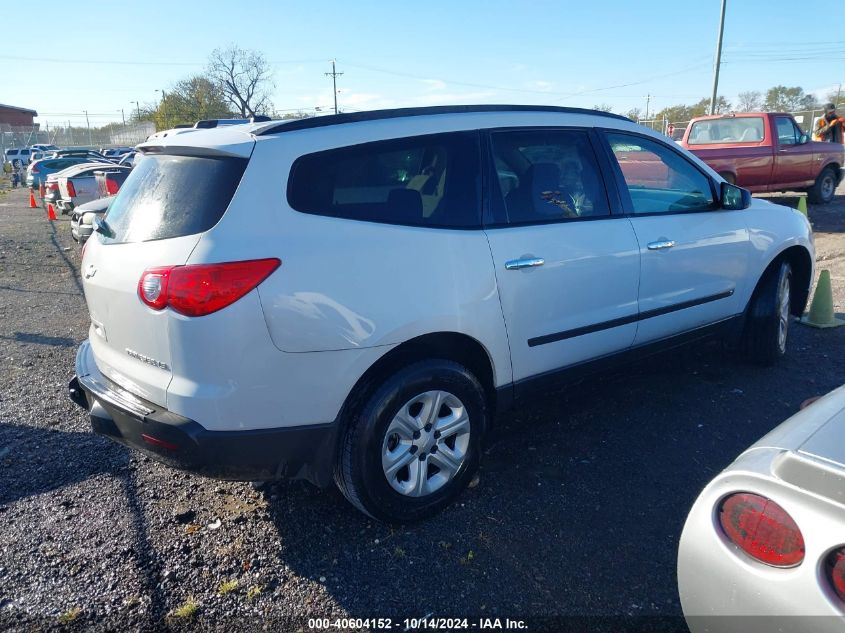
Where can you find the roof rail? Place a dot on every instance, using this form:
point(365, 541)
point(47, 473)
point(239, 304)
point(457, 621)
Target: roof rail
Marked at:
point(375, 115)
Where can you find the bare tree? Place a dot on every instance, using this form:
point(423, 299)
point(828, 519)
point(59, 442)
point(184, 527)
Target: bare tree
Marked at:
point(750, 101)
point(603, 107)
point(244, 77)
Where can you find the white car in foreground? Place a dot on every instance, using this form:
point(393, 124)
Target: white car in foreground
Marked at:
point(763, 548)
point(353, 297)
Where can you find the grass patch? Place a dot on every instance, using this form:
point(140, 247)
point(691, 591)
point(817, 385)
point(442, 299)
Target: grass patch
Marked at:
point(227, 587)
point(186, 610)
point(70, 615)
point(254, 592)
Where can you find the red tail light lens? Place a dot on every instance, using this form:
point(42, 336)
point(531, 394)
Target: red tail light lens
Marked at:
point(836, 571)
point(762, 529)
point(34, 169)
point(71, 190)
point(111, 186)
point(202, 289)
point(52, 186)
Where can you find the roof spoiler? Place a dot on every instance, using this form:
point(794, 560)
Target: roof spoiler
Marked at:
point(212, 123)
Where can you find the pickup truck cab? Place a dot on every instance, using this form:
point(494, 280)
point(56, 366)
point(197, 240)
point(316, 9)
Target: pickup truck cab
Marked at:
point(766, 151)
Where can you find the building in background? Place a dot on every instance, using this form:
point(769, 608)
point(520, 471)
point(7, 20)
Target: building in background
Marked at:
point(17, 117)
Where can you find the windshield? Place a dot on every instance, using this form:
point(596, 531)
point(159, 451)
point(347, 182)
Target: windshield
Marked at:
point(171, 196)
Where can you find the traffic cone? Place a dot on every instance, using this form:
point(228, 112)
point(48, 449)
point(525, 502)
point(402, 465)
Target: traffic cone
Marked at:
point(802, 205)
point(32, 204)
point(51, 212)
point(821, 310)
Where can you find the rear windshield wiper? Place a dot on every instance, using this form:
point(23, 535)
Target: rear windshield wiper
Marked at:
point(102, 227)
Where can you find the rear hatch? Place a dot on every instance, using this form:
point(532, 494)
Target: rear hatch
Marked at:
point(155, 220)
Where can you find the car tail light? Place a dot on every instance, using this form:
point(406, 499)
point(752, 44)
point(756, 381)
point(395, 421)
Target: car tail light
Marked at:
point(71, 190)
point(201, 289)
point(53, 186)
point(111, 186)
point(835, 565)
point(33, 169)
point(762, 529)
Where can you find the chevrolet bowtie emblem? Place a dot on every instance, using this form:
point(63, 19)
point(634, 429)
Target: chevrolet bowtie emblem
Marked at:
point(90, 271)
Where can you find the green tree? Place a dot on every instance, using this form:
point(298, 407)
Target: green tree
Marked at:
point(783, 99)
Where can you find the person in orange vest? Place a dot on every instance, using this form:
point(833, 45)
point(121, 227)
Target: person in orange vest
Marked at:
point(830, 126)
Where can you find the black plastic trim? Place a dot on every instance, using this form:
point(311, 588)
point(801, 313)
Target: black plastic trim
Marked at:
point(398, 113)
point(606, 325)
point(729, 328)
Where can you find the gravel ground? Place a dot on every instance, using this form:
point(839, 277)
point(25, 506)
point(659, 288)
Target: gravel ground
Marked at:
point(578, 516)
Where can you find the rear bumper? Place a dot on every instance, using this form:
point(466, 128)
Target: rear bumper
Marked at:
point(302, 452)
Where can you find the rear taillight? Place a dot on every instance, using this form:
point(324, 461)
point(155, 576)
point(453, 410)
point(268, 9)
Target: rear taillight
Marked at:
point(52, 186)
point(835, 565)
point(762, 529)
point(111, 186)
point(71, 190)
point(201, 289)
point(33, 169)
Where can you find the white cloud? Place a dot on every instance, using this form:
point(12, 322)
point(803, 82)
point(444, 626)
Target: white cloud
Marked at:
point(539, 84)
point(434, 84)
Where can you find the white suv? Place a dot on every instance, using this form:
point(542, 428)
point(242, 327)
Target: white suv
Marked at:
point(352, 297)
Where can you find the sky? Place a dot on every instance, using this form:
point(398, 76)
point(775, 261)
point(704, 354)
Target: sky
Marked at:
point(105, 56)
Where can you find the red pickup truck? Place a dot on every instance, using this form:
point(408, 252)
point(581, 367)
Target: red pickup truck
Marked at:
point(766, 151)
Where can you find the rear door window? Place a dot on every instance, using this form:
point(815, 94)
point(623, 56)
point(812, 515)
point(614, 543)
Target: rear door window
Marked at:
point(547, 176)
point(420, 181)
point(169, 196)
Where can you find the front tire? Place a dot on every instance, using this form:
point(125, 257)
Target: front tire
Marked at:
point(767, 326)
point(415, 443)
point(824, 188)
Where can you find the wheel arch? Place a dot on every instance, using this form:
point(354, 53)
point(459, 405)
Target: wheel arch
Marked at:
point(802, 269)
point(454, 346)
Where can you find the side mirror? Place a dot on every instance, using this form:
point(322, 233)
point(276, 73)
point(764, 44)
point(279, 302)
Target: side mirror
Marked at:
point(735, 198)
point(804, 138)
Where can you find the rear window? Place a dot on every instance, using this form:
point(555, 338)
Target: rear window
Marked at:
point(729, 130)
point(171, 196)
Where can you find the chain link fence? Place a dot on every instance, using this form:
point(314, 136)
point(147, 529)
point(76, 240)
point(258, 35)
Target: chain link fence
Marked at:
point(112, 135)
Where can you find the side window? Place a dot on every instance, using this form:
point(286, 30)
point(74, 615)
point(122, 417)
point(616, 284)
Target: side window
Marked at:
point(787, 134)
point(548, 175)
point(421, 181)
point(658, 179)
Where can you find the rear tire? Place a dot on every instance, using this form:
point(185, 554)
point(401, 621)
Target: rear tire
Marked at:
point(394, 463)
point(767, 325)
point(824, 188)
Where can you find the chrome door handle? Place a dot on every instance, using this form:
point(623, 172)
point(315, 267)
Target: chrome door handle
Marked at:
point(516, 264)
point(659, 244)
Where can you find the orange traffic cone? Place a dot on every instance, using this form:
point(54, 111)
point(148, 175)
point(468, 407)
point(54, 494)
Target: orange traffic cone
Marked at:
point(51, 212)
point(32, 204)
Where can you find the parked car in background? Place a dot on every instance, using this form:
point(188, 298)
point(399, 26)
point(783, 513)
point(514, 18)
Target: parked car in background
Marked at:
point(86, 153)
point(763, 548)
point(129, 159)
point(43, 147)
point(766, 151)
point(38, 171)
point(51, 189)
point(82, 218)
point(21, 154)
point(109, 180)
point(116, 152)
point(78, 184)
point(365, 325)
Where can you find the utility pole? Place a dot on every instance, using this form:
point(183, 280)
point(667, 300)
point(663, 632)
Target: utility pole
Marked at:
point(138, 106)
point(70, 132)
point(334, 75)
point(647, 102)
point(88, 125)
point(718, 61)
